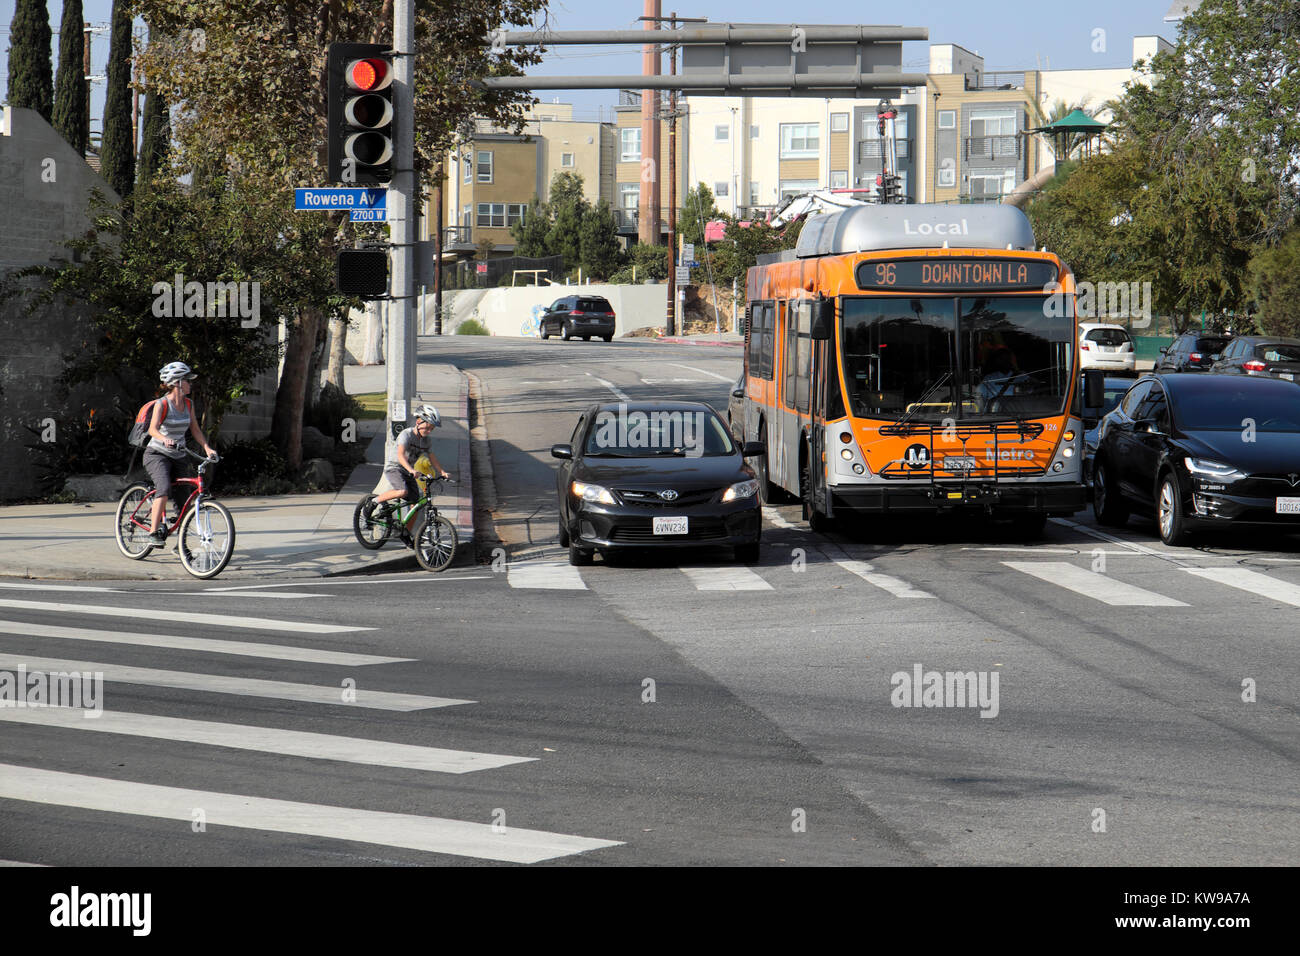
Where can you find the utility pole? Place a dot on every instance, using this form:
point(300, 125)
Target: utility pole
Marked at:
point(439, 173)
point(648, 202)
point(85, 71)
point(401, 209)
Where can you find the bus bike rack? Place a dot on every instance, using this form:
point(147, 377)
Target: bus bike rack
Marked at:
point(977, 485)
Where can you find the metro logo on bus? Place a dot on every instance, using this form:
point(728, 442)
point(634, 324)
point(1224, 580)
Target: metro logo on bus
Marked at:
point(954, 275)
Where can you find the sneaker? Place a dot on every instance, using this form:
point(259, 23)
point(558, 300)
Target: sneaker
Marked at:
point(158, 539)
point(368, 510)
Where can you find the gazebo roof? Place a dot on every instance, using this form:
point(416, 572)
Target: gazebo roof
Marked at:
point(1076, 121)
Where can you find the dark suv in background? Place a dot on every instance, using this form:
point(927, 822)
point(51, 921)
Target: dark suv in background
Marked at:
point(579, 316)
point(1192, 352)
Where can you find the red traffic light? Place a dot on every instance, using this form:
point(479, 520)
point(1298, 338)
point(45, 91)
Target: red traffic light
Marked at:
point(368, 75)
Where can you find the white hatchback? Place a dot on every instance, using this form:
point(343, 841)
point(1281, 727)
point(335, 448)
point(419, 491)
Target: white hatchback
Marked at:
point(1106, 347)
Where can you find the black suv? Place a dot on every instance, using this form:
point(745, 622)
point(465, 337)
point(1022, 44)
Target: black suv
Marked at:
point(1191, 352)
point(579, 316)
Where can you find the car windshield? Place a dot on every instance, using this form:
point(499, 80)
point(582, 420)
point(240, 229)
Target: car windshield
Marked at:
point(970, 358)
point(1273, 406)
point(657, 432)
point(593, 305)
point(1278, 353)
point(1107, 336)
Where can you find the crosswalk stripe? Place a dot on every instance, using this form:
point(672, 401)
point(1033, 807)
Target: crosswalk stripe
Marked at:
point(1093, 585)
point(243, 686)
point(545, 574)
point(1252, 581)
point(428, 834)
point(188, 617)
point(292, 743)
point(726, 578)
point(895, 586)
point(776, 519)
point(240, 648)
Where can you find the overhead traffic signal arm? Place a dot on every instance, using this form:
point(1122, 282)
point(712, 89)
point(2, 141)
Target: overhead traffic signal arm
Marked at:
point(361, 119)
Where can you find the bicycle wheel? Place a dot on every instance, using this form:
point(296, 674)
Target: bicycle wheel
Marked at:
point(435, 541)
point(133, 540)
point(207, 539)
point(371, 532)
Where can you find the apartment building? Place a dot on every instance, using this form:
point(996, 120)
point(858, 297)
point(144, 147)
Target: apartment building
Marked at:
point(629, 157)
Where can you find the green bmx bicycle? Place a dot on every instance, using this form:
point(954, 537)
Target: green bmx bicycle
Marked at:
point(416, 524)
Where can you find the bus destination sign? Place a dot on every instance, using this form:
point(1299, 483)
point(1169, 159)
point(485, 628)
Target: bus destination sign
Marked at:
point(954, 275)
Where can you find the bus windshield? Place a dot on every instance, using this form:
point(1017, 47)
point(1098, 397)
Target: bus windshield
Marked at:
point(968, 358)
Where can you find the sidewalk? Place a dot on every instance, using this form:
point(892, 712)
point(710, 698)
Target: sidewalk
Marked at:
point(289, 536)
point(734, 339)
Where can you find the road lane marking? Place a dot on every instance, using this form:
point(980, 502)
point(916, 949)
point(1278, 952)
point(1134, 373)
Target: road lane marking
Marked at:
point(206, 645)
point(692, 368)
point(774, 517)
point(292, 743)
point(1131, 545)
point(283, 595)
point(427, 834)
point(734, 578)
point(1252, 581)
point(1093, 585)
point(186, 617)
point(241, 686)
point(887, 582)
point(56, 587)
point(547, 575)
point(618, 393)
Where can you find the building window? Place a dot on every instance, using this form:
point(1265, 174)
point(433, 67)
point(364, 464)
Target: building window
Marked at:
point(871, 127)
point(515, 213)
point(992, 123)
point(721, 134)
point(839, 179)
point(467, 166)
point(629, 144)
point(566, 159)
point(796, 187)
point(753, 132)
point(992, 184)
point(839, 122)
point(469, 221)
point(721, 190)
point(947, 174)
point(629, 194)
point(753, 194)
point(484, 166)
point(800, 141)
point(492, 214)
point(947, 119)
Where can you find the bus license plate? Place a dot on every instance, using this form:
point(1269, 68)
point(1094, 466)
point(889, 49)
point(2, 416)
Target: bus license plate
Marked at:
point(673, 525)
point(953, 463)
point(1288, 506)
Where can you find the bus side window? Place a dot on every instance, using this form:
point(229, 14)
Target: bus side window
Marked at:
point(803, 356)
point(787, 385)
point(769, 343)
point(751, 349)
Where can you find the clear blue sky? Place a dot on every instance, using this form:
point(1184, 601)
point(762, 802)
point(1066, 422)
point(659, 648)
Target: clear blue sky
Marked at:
point(1009, 34)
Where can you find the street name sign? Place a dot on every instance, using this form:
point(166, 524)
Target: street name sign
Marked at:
point(330, 198)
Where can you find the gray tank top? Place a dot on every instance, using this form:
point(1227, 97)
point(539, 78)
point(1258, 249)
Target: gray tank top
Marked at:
point(175, 425)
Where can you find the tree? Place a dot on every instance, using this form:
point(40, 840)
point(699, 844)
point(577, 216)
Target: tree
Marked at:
point(71, 107)
point(600, 249)
point(1274, 282)
point(31, 74)
point(568, 208)
point(698, 208)
point(741, 246)
point(531, 232)
point(117, 150)
point(643, 261)
point(156, 139)
point(226, 65)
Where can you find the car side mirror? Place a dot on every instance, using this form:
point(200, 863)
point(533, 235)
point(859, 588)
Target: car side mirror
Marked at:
point(562, 451)
point(752, 449)
point(738, 392)
point(823, 320)
point(1094, 388)
point(1149, 426)
point(1164, 350)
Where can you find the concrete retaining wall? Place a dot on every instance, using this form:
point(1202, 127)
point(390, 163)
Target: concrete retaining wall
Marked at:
point(514, 311)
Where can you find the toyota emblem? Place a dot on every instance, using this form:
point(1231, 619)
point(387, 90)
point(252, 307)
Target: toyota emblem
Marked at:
point(668, 495)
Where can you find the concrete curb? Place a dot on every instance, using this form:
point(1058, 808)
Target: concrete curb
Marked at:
point(673, 340)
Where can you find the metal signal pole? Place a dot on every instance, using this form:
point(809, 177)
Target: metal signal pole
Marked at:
point(401, 207)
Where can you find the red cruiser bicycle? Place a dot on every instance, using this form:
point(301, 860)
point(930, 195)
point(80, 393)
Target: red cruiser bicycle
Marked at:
point(207, 531)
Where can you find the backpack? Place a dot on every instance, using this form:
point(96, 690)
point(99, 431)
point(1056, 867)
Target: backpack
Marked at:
point(139, 437)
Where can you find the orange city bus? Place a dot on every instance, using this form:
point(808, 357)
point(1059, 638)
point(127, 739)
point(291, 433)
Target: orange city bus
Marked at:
point(916, 359)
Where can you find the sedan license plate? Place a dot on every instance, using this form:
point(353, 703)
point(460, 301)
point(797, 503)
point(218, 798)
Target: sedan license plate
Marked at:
point(958, 463)
point(670, 525)
point(1289, 376)
point(1288, 506)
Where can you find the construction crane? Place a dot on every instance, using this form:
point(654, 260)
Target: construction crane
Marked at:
point(889, 186)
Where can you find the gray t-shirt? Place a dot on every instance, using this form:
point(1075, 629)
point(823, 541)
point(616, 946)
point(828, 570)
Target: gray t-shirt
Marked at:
point(175, 425)
point(415, 447)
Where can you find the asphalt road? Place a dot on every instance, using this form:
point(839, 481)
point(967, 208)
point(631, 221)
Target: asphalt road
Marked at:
point(672, 710)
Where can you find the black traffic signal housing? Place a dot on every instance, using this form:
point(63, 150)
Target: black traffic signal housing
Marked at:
point(361, 117)
point(363, 273)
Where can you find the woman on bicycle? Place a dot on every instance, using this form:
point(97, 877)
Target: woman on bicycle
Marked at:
point(164, 457)
point(399, 473)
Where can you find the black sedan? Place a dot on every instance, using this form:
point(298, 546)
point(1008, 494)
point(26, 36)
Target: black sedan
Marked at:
point(1261, 355)
point(656, 475)
point(1201, 451)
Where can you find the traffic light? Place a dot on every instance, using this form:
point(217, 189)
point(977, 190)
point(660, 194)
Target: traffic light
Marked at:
point(363, 272)
point(359, 94)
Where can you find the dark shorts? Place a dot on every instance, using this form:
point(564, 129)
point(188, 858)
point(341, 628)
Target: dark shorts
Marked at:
point(162, 470)
point(398, 479)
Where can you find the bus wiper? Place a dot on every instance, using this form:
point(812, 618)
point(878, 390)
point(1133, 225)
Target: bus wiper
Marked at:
point(906, 420)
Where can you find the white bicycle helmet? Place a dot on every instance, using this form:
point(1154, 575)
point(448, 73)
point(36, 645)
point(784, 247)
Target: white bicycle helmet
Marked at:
point(427, 413)
point(169, 375)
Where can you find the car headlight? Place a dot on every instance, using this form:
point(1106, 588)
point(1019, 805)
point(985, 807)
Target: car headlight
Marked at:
point(1207, 468)
point(594, 493)
point(741, 489)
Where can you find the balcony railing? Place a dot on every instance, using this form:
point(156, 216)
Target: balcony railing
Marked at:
point(872, 148)
point(1008, 80)
point(993, 147)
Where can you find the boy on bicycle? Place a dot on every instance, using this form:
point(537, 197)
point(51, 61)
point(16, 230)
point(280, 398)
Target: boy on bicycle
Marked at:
point(399, 471)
